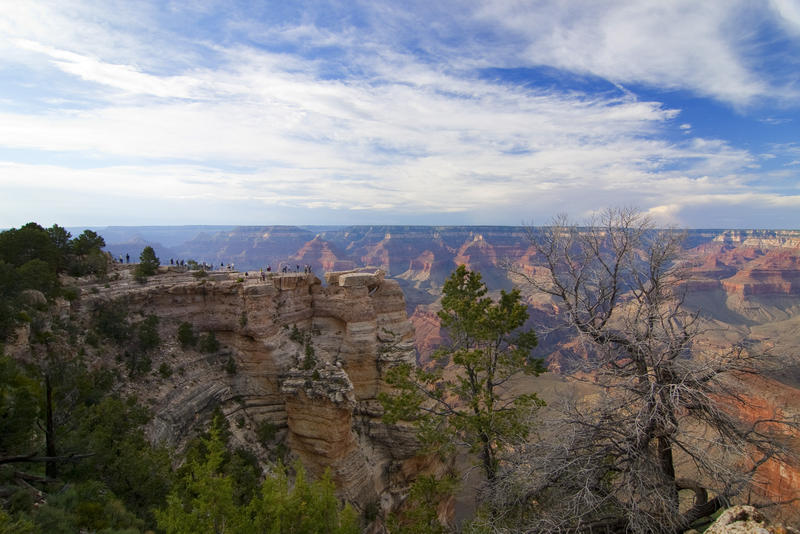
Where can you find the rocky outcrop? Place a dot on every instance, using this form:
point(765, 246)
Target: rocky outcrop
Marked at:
point(746, 520)
point(307, 359)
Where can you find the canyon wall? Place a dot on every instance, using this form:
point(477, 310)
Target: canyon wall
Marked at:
point(305, 359)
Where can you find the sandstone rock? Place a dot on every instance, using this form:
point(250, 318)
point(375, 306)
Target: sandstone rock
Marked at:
point(745, 520)
point(309, 360)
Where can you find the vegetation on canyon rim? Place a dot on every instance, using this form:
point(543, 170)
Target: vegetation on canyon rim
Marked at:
point(660, 431)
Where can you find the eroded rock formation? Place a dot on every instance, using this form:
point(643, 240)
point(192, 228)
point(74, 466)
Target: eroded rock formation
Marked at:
point(306, 359)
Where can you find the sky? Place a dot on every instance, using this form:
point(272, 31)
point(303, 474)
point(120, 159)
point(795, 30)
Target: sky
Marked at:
point(392, 112)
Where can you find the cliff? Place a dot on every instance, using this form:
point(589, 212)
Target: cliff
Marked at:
point(303, 360)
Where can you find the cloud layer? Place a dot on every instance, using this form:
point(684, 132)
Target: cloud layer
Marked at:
point(371, 114)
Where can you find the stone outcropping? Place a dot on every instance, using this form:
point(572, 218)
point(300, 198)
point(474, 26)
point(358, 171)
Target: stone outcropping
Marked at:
point(308, 360)
point(746, 520)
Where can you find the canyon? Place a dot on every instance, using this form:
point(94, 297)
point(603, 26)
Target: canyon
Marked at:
point(745, 283)
point(302, 359)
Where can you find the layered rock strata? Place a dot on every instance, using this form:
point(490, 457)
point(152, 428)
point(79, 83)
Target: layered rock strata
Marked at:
point(309, 360)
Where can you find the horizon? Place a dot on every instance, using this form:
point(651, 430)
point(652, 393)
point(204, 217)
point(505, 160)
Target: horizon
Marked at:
point(447, 114)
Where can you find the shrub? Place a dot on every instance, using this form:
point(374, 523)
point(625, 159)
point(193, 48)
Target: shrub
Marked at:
point(138, 364)
point(148, 333)
point(208, 343)
point(70, 292)
point(186, 335)
point(165, 370)
point(296, 335)
point(266, 432)
point(111, 321)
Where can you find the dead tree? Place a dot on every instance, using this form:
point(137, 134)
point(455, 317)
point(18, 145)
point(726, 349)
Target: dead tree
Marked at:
point(659, 446)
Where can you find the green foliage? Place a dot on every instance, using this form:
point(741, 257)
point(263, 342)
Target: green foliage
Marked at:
point(206, 500)
point(60, 237)
point(19, 409)
point(147, 335)
point(70, 293)
point(148, 264)
point(30, 242)
point(9, 525)
point(208, 343)
point(230, 366)
point(306, 507)
point(111, 321)
point(186, 335)
point(165, 370)
point(419, 514)
point(87, 242)
point(138, 363)
point(87, 256)
point(31, 258)
point(296, 335)
point(117, 477)
point(206, 503)
point(37, 274)
point(266, 432)
point(489, 344)
point(85, 507)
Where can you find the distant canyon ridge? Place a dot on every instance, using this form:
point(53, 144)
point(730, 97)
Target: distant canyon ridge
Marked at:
point(747, 280)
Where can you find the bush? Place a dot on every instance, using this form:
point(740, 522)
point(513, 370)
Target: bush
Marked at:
point(266, 432)
point(296, 335)
point(186, 335)
point(138, 364)
point(165, 370)
point(230, 366)
point(70, 293)
point(148, 333)
point(111, 321)
point(208, 343)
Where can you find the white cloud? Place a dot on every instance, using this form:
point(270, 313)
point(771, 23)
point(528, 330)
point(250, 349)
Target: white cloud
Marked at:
point(681, 44)
point(393, 133)
point(789, 13)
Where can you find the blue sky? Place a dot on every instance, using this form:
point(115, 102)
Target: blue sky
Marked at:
point(500, 112)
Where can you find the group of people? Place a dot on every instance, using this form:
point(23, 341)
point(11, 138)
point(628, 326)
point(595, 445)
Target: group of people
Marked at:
point(307, 269)
point(287, 269)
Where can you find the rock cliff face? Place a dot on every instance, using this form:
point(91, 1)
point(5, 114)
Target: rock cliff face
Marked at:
point(304, 359)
